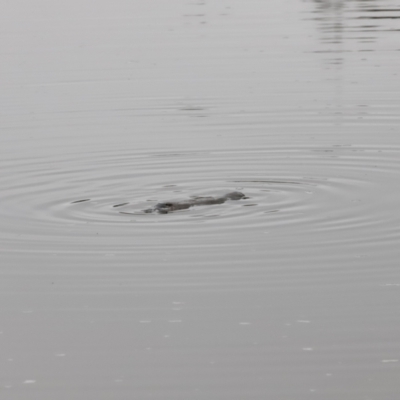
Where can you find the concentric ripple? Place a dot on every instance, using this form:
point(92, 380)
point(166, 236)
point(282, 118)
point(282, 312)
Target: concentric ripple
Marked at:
point(334, 192)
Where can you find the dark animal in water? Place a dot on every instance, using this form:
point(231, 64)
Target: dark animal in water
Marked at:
point(168, 206)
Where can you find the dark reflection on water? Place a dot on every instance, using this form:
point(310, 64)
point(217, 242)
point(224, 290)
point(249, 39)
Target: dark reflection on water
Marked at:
point(340, 21)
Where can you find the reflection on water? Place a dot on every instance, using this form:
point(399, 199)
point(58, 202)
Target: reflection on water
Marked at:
point(341, 21)
point(357, 39)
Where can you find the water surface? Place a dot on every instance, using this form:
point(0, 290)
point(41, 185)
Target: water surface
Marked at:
point(110, 108)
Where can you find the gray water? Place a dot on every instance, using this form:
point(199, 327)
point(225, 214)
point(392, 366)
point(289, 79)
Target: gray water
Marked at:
point(108, 108)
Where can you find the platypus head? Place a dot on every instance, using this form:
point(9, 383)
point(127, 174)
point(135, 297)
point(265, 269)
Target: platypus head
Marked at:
point(234, 196)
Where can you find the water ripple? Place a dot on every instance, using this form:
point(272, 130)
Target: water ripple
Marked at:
point(66, 202)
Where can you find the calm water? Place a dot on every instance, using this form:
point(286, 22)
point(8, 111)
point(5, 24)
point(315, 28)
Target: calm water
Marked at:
point(291, 293)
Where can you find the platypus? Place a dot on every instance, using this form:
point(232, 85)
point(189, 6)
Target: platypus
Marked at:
point(168, 206)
